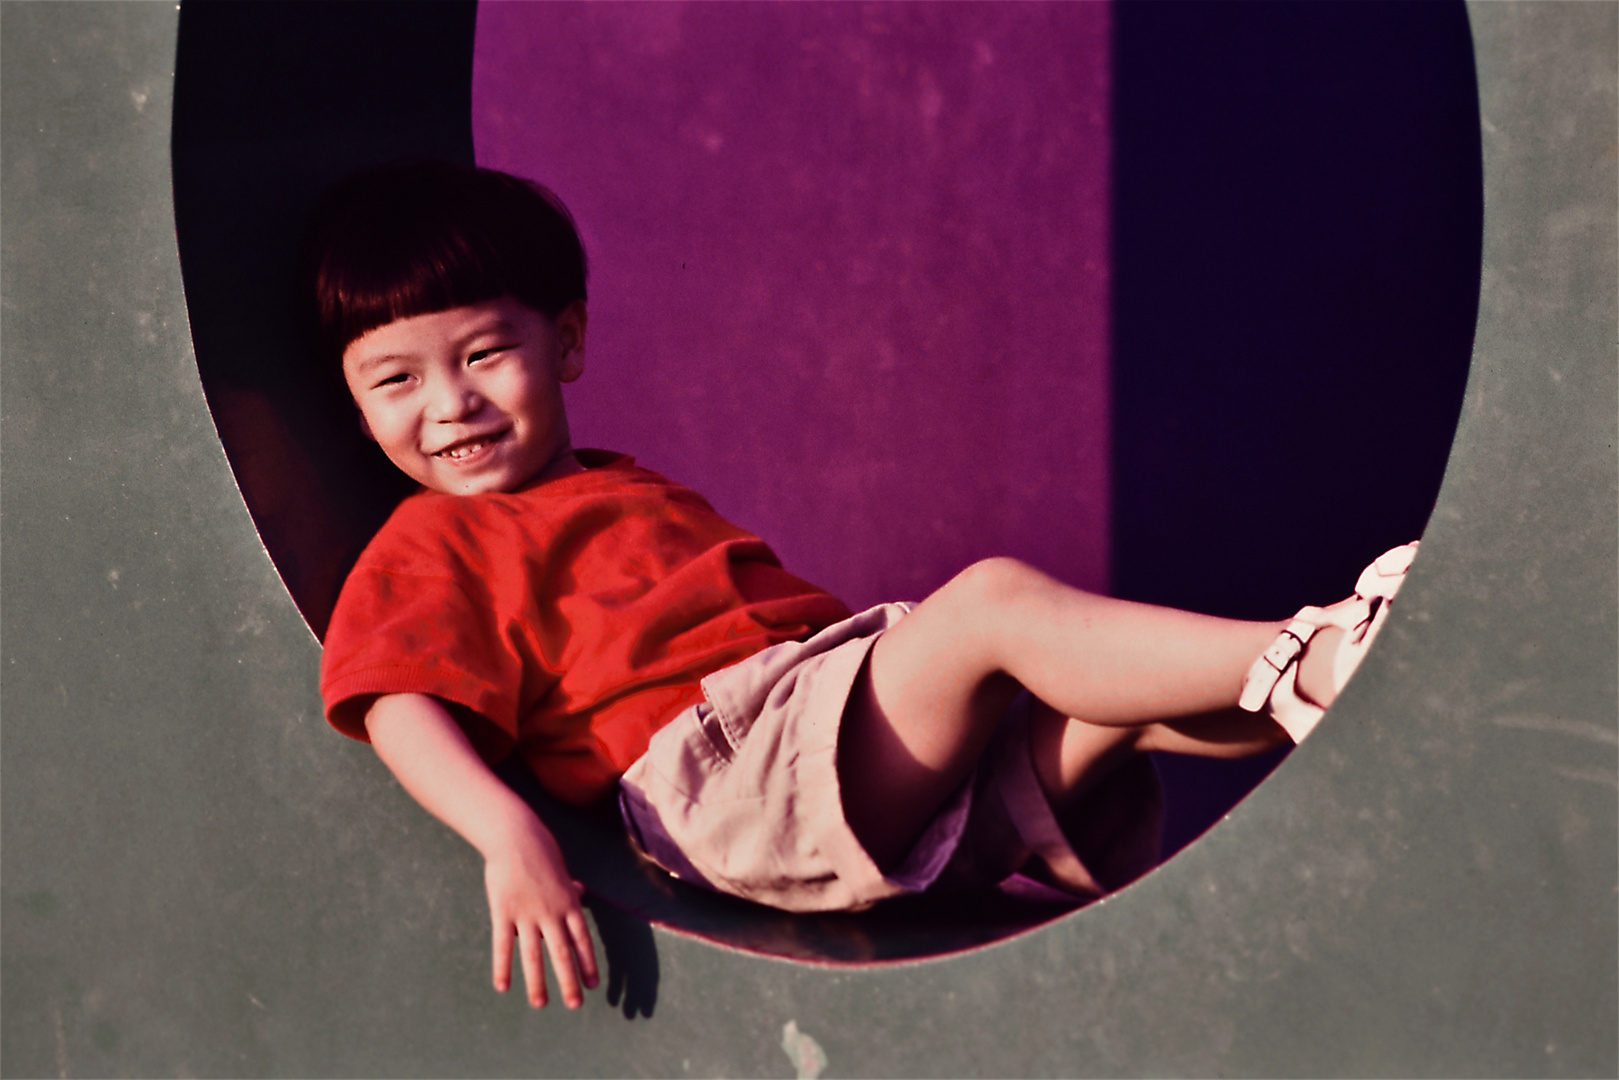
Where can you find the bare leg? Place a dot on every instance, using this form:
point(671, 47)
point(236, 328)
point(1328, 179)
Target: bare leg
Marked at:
point(1070, 756)
point(935, 686)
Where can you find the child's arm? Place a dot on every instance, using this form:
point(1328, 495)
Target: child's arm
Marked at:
point(531, 895)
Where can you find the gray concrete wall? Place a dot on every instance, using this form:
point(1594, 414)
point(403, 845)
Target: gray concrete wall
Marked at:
point(199, 878)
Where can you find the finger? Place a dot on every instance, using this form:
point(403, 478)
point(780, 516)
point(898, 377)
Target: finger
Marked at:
point(584, 947)
point(503, 956)
point(533, 969)
point(559, 943)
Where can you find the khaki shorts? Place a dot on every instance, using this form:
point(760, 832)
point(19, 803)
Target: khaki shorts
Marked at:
point(740, 794)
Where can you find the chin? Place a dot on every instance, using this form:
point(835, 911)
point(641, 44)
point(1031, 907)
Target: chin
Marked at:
point(471, 486)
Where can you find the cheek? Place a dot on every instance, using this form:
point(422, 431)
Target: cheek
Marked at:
point(514, 393)
point(388, 427)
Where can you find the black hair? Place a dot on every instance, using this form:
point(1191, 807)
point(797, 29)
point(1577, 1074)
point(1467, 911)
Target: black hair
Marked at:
point(414, 238)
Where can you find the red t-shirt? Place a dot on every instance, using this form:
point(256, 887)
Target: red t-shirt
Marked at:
point(575, 617)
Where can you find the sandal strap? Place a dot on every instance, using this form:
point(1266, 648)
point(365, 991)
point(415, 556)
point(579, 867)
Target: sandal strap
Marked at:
point(1283, 654)
point(1271, 684)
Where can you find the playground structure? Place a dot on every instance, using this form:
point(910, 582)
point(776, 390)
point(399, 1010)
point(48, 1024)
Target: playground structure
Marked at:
point(200, 878)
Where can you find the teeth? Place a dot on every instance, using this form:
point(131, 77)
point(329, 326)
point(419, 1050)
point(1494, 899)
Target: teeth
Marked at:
point(461, 450)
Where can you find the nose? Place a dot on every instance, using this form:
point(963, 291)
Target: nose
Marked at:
point(452, 398)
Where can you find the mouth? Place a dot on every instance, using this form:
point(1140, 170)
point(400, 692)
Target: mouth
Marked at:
point(464, 450)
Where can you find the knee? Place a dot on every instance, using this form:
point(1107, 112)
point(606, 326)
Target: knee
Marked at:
point(1007, 585)
point(997, 582)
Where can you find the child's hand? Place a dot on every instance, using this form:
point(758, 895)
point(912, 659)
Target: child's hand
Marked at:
point(531, 896)
point(532, 899)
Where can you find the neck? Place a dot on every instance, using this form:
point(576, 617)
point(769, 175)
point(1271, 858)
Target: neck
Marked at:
point(564, 464)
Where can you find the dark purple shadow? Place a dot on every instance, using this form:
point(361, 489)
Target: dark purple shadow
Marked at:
point(1297, 223)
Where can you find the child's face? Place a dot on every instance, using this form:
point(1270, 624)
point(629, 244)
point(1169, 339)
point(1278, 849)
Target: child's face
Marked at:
point(469, 400)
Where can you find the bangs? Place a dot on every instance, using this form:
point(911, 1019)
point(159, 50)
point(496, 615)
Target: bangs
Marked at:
point(422, 238)
point(394, 276)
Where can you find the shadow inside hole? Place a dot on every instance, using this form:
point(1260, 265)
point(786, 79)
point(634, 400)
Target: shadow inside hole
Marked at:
point(1297, 242)
point(1296, 220)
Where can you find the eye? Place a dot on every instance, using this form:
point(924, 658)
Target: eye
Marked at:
point(479, 355)
point(391, 380)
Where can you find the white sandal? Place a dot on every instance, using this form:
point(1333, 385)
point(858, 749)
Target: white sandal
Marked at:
point(1272, 682)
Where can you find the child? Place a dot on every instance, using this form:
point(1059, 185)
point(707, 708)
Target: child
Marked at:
point(607, 625)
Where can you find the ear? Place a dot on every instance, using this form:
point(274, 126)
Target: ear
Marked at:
point(571, 330)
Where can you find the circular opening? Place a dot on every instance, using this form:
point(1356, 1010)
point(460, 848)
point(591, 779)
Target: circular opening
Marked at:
point(1173, 302)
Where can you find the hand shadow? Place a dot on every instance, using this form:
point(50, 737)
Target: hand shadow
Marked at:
point(631, 956)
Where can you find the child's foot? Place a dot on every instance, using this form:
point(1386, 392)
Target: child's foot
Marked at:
point(1315, 683)
point(1300, 675)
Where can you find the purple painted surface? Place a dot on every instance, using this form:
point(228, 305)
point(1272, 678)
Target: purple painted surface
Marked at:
point(849, 265)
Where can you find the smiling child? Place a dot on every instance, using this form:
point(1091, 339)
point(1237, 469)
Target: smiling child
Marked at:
point(605, 624)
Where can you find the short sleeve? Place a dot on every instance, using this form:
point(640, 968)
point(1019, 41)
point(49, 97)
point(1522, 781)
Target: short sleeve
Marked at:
point(398, 632)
